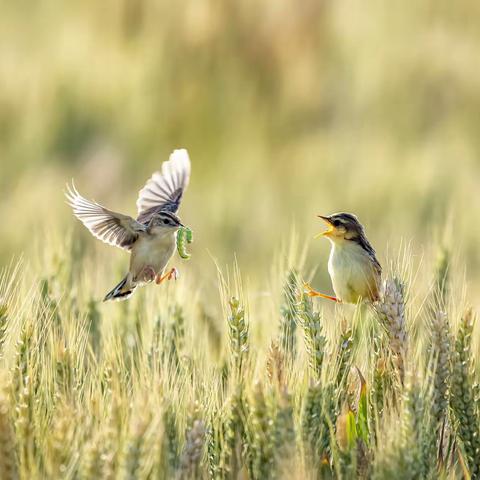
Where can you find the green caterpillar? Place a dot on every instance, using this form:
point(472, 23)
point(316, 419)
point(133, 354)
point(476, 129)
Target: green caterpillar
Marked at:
point(184, 236)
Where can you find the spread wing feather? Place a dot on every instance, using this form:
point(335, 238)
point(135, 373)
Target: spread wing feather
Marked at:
point(111, 227)
point(164, 190)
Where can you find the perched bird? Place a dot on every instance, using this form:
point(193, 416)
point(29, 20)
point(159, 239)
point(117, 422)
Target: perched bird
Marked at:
point(151, 238)
point(353, 266)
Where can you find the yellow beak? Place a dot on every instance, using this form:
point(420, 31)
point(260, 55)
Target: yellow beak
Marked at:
point(327, 232)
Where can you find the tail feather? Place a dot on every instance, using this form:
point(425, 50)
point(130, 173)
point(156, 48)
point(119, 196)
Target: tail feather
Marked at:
point(121, 291)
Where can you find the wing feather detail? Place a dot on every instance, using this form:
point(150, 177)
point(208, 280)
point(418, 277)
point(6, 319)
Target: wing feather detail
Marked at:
point(108, 226)
point(164, 190)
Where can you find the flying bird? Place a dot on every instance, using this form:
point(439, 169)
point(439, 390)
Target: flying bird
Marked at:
point(151, 239)
point(353, 266)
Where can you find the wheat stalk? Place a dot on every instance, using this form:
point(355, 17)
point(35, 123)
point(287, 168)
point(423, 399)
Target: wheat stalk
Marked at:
point(391, 310)
point(462, 394)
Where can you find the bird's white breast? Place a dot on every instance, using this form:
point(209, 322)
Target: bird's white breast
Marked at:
point(351, 271)
point(154, 251)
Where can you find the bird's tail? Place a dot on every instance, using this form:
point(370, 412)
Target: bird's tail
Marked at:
point(122, 291)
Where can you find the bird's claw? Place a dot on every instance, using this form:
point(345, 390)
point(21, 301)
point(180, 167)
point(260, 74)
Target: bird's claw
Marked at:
point(172, 273)
point(313, 293)
point(309, 290)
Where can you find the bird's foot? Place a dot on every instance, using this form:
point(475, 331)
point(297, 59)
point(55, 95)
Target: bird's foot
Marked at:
point(313, 293)
point(148, 274)
point(172, 273)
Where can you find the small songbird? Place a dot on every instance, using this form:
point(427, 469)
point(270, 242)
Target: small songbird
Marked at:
point(151, 238)
point(353, 266)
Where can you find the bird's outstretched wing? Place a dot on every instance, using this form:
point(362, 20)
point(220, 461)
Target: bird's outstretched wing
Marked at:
point(110, 227)
point(165, 188)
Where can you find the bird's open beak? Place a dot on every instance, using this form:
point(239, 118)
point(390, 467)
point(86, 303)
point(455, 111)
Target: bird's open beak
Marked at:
point(329, 230)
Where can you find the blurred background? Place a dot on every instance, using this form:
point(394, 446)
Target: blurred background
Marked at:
point(288, 109)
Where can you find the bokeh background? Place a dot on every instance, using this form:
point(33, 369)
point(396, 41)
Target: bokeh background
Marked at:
point(288, 109)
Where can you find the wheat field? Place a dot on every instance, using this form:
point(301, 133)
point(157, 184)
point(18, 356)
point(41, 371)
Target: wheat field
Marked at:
point(288, 109)
point(165, 386)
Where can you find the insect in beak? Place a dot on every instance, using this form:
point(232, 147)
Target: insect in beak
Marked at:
point(330, 229)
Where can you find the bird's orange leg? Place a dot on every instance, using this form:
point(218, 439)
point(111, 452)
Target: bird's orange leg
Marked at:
point(313, 293)
point(172, 273)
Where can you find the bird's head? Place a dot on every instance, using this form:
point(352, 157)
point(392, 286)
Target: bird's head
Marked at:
point(165, 221)
point(341, 226)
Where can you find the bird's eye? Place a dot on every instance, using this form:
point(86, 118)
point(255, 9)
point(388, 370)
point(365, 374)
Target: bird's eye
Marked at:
point(166, 222)
point(336, 223)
